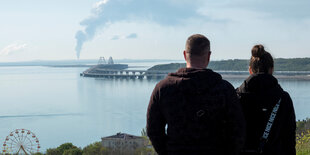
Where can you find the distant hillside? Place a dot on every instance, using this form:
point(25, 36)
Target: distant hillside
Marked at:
point(294, 64)
point(232, 65)
point(167, 67)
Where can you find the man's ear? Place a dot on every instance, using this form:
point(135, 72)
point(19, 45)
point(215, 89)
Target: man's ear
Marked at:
point(250, 70)
point(209, 55)
point(184, 54)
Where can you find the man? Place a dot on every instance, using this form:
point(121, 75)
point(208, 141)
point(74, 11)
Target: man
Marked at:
point(200, 109)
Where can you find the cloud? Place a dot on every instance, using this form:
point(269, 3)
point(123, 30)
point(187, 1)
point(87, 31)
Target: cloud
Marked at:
point(282, 9)
point(132, 36)
point(164, 12)
point(115, 37)
point(251, 9)
point(12, 49)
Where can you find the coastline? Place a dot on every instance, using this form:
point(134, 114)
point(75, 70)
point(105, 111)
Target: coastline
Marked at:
point(285, 77)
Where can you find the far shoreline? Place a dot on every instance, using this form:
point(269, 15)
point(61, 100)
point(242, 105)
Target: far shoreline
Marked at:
point(282, 77)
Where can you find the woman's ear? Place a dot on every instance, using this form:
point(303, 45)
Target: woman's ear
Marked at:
point(250, 70)
point(270, 71)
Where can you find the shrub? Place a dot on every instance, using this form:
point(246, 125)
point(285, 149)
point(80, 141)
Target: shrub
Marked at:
point(66, 146)
point(53, 151)
point(95, 148)
point(73, 151)
point(303, 143)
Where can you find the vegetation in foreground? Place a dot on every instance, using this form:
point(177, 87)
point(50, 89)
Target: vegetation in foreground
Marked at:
point(302, 145)
point(303, 137)
point(92, 149)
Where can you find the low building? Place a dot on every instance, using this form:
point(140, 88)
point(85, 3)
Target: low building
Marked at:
point(123, 143)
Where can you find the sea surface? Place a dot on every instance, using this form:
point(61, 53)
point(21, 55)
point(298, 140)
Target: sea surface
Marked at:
point(60, 106)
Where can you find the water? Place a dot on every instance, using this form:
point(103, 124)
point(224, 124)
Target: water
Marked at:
point(60, 106)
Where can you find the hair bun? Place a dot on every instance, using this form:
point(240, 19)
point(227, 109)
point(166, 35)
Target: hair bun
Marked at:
point(258, 51)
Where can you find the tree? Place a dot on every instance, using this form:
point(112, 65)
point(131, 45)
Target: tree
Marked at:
point(143, 132)
point(73, 151)
point(92, 149)
point(105, 151)
point(66, 146)
point(53, 151)
point(145, 151)
point(96, 148)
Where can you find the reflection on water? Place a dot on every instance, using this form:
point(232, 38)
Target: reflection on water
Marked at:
point(60, 106)
point(39, 115)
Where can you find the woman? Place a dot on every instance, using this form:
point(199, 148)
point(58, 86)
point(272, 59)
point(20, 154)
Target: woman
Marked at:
point(268, 109)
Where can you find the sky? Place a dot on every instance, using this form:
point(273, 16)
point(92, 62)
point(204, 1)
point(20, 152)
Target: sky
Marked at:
point(150, 29)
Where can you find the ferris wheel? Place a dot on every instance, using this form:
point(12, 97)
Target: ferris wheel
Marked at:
point(21, 141)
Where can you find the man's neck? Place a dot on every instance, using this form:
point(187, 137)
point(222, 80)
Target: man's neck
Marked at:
point(188, 65)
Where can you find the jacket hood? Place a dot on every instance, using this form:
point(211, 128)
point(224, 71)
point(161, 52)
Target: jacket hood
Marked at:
point(193, 79)
point(261, 83)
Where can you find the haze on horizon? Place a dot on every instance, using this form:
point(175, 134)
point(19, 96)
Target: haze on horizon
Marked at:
point(149, 29)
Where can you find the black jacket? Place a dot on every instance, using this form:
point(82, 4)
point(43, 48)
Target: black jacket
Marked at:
point(258, 95)
point(201, 111)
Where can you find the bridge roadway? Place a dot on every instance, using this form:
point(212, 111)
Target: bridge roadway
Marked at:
point(124, 74)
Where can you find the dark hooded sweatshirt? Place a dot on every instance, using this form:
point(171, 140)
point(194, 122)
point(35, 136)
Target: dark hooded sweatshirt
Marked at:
point(258, 95)
point(201, 111)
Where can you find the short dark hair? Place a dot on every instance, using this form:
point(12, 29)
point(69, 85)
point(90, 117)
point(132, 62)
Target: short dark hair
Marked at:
point(261, 61)
point(197, 44)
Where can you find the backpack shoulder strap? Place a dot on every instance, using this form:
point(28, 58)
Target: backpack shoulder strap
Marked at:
point(266, 133)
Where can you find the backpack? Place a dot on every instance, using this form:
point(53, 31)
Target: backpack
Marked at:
point(260, 114)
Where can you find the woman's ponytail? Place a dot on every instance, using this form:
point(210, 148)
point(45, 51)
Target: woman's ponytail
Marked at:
point(261, 61)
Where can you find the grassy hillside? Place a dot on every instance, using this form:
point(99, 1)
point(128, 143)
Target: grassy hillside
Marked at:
point(293, 64)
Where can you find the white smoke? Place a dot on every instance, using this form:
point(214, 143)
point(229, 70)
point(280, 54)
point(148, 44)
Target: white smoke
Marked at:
point(130, 36)
point(12, 48)
point(89, 32)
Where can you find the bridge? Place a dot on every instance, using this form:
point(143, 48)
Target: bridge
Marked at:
point(123, 74)
point(118, 72)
